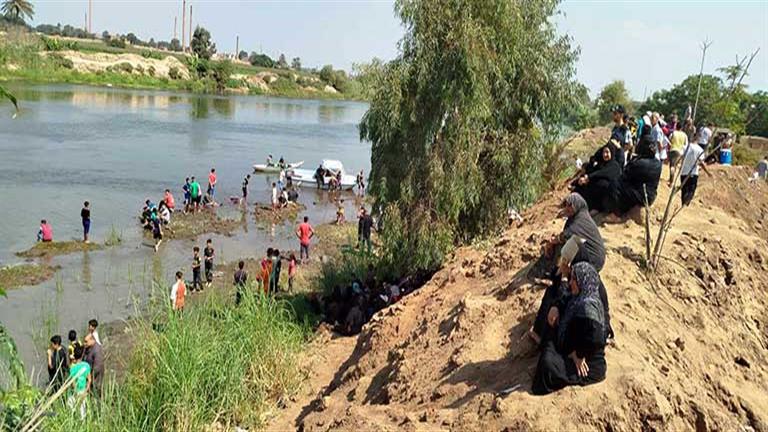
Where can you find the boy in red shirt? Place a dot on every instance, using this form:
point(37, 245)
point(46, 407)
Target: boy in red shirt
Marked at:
point(305, 234)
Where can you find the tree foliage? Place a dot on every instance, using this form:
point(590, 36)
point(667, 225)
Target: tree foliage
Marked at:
point(615, 93)
point(242, 55)
point(261, 60)
point(20, 10)
point(202, 45)
point(282, 63)
point(757, 114)
point(458, 120)
point(296, 63)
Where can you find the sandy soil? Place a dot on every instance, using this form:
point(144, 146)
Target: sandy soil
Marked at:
point(691, 351)
point(99, 62)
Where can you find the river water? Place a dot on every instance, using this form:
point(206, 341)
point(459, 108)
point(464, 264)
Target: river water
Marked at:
point(116, 148)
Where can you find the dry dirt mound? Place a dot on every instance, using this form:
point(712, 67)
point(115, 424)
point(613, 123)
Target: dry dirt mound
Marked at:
point(99, 62)
point(691, 351)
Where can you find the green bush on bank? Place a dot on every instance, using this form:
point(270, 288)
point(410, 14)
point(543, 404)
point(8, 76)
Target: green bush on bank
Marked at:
point(215, 362)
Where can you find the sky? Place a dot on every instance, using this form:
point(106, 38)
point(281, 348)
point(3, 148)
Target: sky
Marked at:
point(650, 45)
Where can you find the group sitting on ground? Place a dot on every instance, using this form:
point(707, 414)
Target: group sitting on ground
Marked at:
point(348, 307)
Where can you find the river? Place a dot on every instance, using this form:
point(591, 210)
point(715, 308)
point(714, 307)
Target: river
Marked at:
point(116, 148)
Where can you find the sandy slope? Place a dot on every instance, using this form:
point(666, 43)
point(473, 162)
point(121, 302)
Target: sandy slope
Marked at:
point(691, 350)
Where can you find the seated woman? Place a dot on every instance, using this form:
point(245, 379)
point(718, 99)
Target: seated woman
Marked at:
point(641, 176)
point(164, 213)
point(559, 289)
point(579, 223)
point(574, 352)
point(599, 180)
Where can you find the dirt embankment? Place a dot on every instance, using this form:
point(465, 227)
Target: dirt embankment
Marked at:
point(100, 62)
point(691, 351)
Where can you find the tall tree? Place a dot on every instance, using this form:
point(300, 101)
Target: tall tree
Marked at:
point(242, 56)
point(18, 9)
point(282, 63)
point(202, 46)
point(614, 93)
point(457, 121)
point(296, 63)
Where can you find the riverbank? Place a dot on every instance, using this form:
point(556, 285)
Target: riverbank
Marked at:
point(36, 59)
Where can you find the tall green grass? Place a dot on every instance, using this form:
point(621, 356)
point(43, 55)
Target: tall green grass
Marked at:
point(215, 362)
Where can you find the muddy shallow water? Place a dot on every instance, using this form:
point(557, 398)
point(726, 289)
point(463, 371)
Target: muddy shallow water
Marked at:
point(116, 148)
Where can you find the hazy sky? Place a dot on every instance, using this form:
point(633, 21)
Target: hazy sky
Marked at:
point(648, 44)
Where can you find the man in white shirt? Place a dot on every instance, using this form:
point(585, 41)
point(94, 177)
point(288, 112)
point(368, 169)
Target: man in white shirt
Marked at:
point(704, 135)
point(657, 136)
point(689, 177)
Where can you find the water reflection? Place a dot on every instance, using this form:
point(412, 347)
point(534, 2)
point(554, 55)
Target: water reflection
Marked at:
point(225, 107)
point(86, 275)
point(198, 108)
point(330, 113)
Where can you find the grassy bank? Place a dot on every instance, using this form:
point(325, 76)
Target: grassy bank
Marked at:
point(214, 365)
point(49, 249)
point(36, 59)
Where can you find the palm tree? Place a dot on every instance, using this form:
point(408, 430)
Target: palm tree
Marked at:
point(18, 9)
point(5, 95)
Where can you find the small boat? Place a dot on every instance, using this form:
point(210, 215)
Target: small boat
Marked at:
point(264, 168)
point(306, 178)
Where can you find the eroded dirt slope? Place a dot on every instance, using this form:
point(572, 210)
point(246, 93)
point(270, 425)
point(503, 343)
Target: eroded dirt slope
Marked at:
point(691, 350)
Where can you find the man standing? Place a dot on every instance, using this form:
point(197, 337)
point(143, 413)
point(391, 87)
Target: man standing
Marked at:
point(364, 225)
point(212, 183)
point(85, 215)
point(246, 180)
point(94, 356)
point(195, 194)
point(657, 135)
point(678, 141)
point(704, 135)
point(58, 364)
point(241, 278)
point(305, 234)
point(620, 134)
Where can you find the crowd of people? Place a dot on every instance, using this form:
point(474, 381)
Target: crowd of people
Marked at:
point(625, 172)
point(573, 326)
point(80, 365)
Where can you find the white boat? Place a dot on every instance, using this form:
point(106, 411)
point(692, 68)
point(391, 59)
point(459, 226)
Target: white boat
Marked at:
point(306, 178)
point(264, 168)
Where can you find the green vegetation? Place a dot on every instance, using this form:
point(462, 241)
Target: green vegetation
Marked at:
point(114, 237)
point(459, 123)
point(26, 275)
point(202, 46)
point(723, 101)
point(612, 94)
point(48, 249)
point(191, 225)
point(214, 364)
point(19, 10)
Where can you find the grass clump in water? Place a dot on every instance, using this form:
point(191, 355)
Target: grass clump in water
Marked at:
point(215, 363)
point(25, 275)
point(191, 225)
point(48, 249)
point(114, 237)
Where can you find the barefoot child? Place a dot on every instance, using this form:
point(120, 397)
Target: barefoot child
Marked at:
point(85, 215)
point(291, 272)
point(178, 292)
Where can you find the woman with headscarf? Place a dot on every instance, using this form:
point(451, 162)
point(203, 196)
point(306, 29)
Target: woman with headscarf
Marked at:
point(574, 354)
point(641, 176)
point(599, 180)
point(559, 289)
point(579, 223)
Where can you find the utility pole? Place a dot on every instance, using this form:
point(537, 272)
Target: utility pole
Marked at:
point(183, 25)
point(237, 48)
point(175, 26)
point(90, 16)
point(190, 27)
point(85, 23)
point(704, 46)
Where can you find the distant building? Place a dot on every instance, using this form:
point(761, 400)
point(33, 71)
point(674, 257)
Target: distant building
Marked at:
point(224, 56)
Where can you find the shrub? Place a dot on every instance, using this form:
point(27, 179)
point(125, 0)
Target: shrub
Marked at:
point(116, 42)
point(151, 71)
point(61, 61)
point(139, 69)
point(151, 55)
point(124, 67)
point(173, 73)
